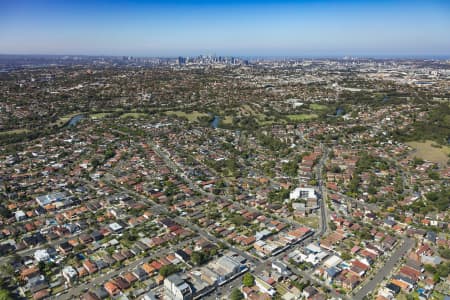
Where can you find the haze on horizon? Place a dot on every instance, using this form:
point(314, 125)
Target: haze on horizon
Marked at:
point(241, 28)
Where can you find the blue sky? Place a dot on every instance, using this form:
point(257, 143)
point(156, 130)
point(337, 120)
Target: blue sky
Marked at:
point(247, 28)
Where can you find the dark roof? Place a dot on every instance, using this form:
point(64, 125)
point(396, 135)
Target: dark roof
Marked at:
point(395, 288)
point(182, 254)
point(121, 283)
point(167, 222)
point(140, 273)
point(431, 236)
point(36, 238)
point(96, 235)
point(6, 248)
point(101, 293)
point(90, 296)
point(405, 279)
point(65, 246)
point(101, 264)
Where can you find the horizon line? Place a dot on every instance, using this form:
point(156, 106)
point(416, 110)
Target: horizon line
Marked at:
point(301, 56)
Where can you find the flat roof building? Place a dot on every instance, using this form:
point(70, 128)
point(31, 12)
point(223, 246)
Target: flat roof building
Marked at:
point(303, 193)
point(176, 288)
point(50, 198)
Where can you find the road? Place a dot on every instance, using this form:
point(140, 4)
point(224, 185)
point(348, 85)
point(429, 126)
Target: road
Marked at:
point(385, 271)
point(162, 209)
point(100, 280)
point(259, 265)
point(368, 206)
point(177, 170)
point(323, 194)
point(31, 251)
point(222, 292)
point(308, 276)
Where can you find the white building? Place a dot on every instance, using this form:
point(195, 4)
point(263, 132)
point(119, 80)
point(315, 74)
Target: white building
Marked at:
point(225, 267)
point(264, 286)
point(333, 261)
point(115, 227)
point(303, 193)
point(70, 274)
point(20, 215)
point(281, 268)
point(50, 198)
point(176, 288)
point(41, 255)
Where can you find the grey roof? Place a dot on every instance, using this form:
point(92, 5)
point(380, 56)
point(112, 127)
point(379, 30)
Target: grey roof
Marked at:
point(333, 271)
point(101, 292)
point(405, 279)
point(175, 279)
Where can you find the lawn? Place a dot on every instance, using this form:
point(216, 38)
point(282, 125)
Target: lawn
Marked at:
point(227, 120)
point(311, 221)
point(427, 150)
point(99, 116)
point(133, 115)
point(281, 289)
point(193, 116)
point(14, 131)
point(302, 117)
point(315, 106)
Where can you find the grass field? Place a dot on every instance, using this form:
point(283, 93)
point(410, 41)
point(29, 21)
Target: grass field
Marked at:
point(311, 221)
point(425, 150)
point(315, 106)
point(227, 120)
point(133, 115)
point(302, 117)
point(270, 122)
point(193, 116)
point(99, 116)
point(14, 131)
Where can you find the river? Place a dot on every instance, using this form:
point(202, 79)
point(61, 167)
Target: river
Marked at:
point(215, 122)
point(74, 120)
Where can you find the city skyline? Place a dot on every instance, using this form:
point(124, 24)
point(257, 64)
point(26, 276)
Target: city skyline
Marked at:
point(238, 28)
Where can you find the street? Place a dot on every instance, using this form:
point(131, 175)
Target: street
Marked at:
point(385, 271)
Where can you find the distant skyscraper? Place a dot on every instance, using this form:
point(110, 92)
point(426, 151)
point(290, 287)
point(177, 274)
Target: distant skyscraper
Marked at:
point(181, 60)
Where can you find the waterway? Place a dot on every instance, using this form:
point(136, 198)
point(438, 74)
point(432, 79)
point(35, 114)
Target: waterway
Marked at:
point(215, 122)
point(339, 111)
point(74, 120)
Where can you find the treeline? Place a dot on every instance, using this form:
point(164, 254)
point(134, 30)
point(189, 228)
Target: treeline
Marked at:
point(437, 201)
point(436, 127)
point(12, 141)
point(271, 142)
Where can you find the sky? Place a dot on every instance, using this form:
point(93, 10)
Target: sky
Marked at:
point(241, 28)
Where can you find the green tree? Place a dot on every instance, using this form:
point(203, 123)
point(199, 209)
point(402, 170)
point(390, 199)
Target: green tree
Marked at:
point(199, 258)
point(445, 253)
point(433, 175)
point(236, 295)
point(346, 256)
point(333, 226)
point(248, 280)
point(443, 269)
point(5, 295)
point(430, 269)
point(168, 270)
